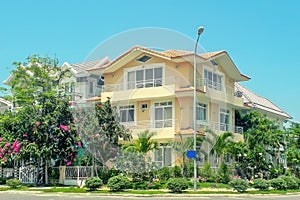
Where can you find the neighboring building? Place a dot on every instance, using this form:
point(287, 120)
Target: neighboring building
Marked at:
point(5, 105)
point(82, 84)
point(262, 105)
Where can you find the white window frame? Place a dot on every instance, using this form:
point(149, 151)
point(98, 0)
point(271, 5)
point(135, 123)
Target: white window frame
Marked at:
point(214, 84)
point(201, 106)
point(144, 83)
point(223, 125)
point(127, 108)
point(160, 160)
point(91, 87)
point(160, 104)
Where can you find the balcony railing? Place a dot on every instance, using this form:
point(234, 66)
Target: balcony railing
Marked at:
point(220, 127)
point(139, 84)
point(219, 87)
point(146, 124)
point(215, 126)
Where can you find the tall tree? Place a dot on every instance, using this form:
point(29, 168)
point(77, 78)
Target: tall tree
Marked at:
point(43, 126)
point(263, 145)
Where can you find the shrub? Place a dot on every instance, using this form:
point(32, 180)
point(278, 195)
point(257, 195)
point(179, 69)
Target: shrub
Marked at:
point(291, 182)
point(177, 184)
point(13, 183)
point(261, 184)
point(164, 173)
point(118, 183)
point(105, 174)
point(278, 184)
point(93, 183)
point(2, 181)
point(207, 173)
point(239, 185)
point(176, 172)
point(139, 185)
point(224, 173)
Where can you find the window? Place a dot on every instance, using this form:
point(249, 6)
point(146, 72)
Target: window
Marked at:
point(91, 87)
point(143, 78)
point(163, 156)
point(72, 89)
point(126, 113)
point(224, 119)
point(201, 112)
point(69, 87)
point(213, 80)
point(163, 114)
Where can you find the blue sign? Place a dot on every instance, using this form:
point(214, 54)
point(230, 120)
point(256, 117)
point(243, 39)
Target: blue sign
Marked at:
point(191, 154)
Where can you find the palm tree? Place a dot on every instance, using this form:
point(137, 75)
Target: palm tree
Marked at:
point(143, 144)
point(182, 146)
point(221, 145)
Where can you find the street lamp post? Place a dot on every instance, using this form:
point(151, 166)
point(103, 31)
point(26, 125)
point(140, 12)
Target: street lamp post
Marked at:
point(200, 31)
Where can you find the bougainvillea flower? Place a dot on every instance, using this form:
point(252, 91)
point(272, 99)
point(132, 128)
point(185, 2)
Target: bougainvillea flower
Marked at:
point(7, 144)
point(38, 123)
point(64, 127)
point(25, 135)
point(4, 159)
point(79, 144)
point(1, 139)
point(17, 148)
point(69, 163)
point(15, 143)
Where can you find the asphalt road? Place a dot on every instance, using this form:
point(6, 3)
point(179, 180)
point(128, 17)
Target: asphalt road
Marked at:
point(9, 195)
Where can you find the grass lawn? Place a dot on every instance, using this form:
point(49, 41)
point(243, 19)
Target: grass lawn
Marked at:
point(203, 188)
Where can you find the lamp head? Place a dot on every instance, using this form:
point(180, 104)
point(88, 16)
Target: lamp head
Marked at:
point(200, 30)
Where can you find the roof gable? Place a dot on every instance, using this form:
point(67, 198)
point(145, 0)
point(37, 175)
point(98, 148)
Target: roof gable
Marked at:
point(178, 56)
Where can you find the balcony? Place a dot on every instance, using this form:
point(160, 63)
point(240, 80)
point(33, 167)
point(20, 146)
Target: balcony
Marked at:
point(148, 124)
point(220, 92)
point(164, 129)
point(218, 127)
point(150, 83)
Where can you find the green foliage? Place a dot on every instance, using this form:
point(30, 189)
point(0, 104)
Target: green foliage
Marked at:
point(119, 183)
point(291, 182)
point(207, 173)
point(100, 129)
point(177, 184)
point(176, 172)
point(182, 146)
point(143, 144)
point(106, 174)
point(2, 181)
point(13, 183)
point(224, 173)
point(164, 173)
point(239, 185)
point(263, 138)
point(93, 183)
point(261, 184)
point(222, 143)
point(278, 184)
point(134, 163)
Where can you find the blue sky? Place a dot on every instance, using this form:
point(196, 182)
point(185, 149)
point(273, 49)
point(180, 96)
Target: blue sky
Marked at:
point(261, 36)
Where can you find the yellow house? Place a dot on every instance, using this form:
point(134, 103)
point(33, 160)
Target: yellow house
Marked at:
point(155, 91)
